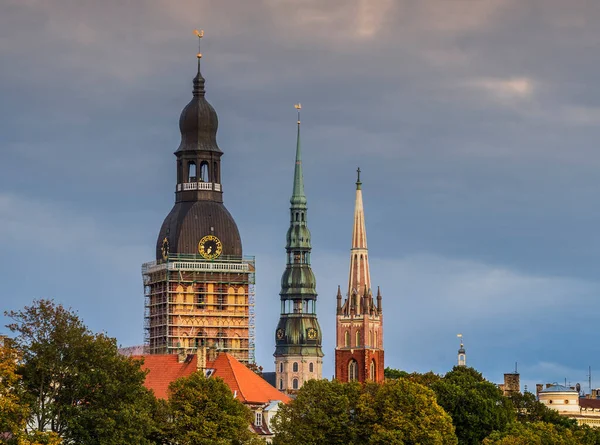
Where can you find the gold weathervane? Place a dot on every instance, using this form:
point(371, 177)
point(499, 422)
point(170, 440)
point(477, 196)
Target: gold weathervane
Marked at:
point(298, 107)
point(199, 34)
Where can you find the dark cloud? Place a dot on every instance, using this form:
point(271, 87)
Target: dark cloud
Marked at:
point(475, 124)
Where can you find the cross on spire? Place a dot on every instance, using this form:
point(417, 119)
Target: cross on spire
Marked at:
point(358, 183)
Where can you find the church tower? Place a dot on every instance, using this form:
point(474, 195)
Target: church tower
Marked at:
point(298, 355)
point(462, 354)
point(200, 290)
point(359, 320)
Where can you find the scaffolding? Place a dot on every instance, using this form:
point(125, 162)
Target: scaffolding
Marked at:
point(191, 302)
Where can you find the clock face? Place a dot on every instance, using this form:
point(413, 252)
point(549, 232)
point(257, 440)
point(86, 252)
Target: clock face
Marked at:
point(165, 248)
point(210, 247)
point(312, 333)
point(280, 333)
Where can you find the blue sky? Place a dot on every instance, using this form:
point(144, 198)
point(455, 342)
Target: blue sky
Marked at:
point(475, 124)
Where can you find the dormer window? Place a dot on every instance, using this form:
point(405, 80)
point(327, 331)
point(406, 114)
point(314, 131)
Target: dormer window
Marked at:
point(258, 418)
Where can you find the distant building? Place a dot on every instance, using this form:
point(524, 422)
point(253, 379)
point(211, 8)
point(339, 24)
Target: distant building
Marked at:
point(245, 385)
point(462, 354)
point(568, 402)
point(359, 320)
point(512, 383)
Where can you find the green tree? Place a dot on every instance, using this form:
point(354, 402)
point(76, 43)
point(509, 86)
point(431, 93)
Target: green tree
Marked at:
point(323, 412)
point(539, 433)
point(402, 412)
point(202, 411)
point(395, 412)
point(76, 383)
point(477, 407)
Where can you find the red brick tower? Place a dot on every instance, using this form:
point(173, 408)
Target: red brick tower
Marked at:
point(359, 320)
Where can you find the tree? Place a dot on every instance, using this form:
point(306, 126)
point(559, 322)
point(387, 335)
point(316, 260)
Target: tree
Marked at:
point(477, 407)
point(323, 412)
point(540, 433)
point(202, 411)
point(395, 412)
point(76, 383)
point(402, 412)
point(13, 411)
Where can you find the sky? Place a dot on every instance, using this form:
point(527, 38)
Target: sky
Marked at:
point(475, 124)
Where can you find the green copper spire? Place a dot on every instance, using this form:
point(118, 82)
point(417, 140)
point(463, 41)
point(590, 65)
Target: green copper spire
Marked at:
point(298, 332)
point(298, 199)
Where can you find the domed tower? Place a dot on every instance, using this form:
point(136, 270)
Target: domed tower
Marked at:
point(298, 354)
point(200, 290)
point(462, 353)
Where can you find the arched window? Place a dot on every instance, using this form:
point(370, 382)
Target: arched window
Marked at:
point(347, 339)
point(295, 384)
point(357, 339)
point(371, 338)
point(280, 366)
point(311, 367)
point(353, 371)
point(376, 345)
point(204, 172)
point(295, 367)
point(302, 216)
point(373, 371)
point(280, 383)
point(191, 172)
point(297, 216)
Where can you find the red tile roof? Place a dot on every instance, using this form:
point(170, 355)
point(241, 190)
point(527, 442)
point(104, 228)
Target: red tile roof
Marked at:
point(164, 369)
point(589, 403)
point(248, 386)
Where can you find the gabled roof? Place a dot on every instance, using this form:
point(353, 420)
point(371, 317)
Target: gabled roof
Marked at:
point(164, 369)
point(247, 386)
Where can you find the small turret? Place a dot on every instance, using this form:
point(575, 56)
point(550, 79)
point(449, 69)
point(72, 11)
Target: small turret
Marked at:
point(462, 354)
point(339, 301)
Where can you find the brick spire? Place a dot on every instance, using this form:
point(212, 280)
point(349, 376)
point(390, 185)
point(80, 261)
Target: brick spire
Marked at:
point(359, 282)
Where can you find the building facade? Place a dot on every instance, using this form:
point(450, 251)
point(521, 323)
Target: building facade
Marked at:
point(298, 354)
point(359, 319)
point(199, 292)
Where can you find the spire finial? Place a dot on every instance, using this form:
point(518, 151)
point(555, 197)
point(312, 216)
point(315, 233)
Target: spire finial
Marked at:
point(298, 107)
point(461, 340)
point(199, 80)
point(358, 183)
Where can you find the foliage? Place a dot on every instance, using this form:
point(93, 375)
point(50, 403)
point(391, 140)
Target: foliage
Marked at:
point(76, 383)
point(477, 407)
point(543, 433)
point(202, 411)
point(13, 413)
point(395, 412)
point(391, 373)
point(528, 409)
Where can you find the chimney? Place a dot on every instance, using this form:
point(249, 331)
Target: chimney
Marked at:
point(538, 388)
point(201, 363)
point(181, 356)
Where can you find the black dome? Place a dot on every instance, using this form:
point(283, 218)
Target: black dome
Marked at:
point(198, 122)
point(189, 221)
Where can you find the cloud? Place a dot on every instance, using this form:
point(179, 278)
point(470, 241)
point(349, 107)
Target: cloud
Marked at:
point(505, 90)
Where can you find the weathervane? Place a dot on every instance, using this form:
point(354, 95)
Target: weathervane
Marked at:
point(199, 34)
point(461, 341)
point(298, 107)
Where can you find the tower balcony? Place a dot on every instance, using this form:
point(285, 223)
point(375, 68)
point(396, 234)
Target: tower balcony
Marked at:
point(191, 186)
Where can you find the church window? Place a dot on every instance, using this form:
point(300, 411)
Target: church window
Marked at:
point(371, 338)
point(280, 366)
point(297, 216)
point(191, 172)
point(258, 418)
point(375, 345)
point(280, 383)
point(353, 371)
point(347, 339)
point(295, 367)
point(311, 367)
point(357, 339)
point(204, 172)
point(295, 384)
point(372, 373)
